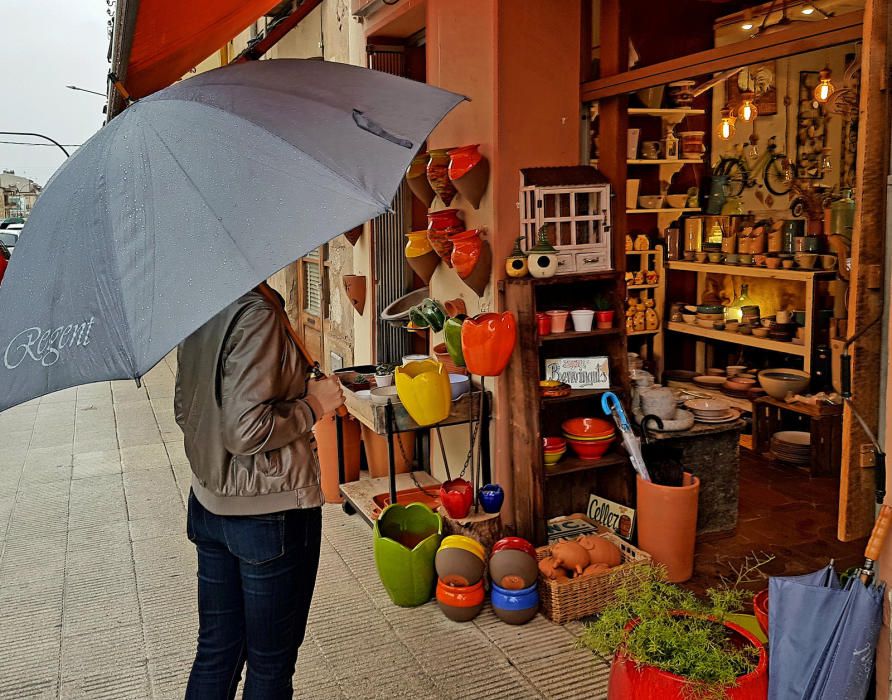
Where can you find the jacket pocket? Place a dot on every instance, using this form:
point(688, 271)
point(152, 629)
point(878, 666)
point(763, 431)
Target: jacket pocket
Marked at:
point(255, 539)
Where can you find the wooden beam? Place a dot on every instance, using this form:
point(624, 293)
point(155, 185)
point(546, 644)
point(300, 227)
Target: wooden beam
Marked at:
point(856, 498)
point(798, 39)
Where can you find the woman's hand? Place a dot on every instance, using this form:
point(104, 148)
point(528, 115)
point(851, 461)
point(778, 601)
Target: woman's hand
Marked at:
point(327, 392)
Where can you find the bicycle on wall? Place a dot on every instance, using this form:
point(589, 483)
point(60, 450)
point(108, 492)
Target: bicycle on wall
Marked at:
point(742, 168)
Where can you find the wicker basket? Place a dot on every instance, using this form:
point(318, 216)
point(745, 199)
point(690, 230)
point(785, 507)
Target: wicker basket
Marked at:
point(587, 595)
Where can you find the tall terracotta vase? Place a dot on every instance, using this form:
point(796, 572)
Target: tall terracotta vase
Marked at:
point(422, 258)
point(438, 174)
point(442, 224)
point(472, 259)
point(416, 178)
point(469, 173)
point(657, 505)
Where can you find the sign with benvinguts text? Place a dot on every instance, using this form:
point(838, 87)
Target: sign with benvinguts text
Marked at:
point(580, 372)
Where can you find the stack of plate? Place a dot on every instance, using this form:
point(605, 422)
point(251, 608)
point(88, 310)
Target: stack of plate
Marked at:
point(793, 446)
point(712, 410)
point(709, 381)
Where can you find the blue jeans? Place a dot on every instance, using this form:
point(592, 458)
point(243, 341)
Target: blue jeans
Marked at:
point(255, 582)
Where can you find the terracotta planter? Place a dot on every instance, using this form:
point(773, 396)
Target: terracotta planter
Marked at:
point(487, 342)
point(628, 679)
point(438, 174)
point(455, 307)
point(327, 449)
point(452, 331)
point(416, 178)
point(424, 391)
point(604, 319)
point(472, 259)
point(469, 172)
point(441, 225)
point(356, 289)
point(658, 507)
point(376, 452)
point(406, 539)
point(353, 234)
point(445, 359)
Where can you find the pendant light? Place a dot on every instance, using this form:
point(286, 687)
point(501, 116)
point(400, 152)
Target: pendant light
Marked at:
point(747, 110)
point(725, 129)
point(824, 88)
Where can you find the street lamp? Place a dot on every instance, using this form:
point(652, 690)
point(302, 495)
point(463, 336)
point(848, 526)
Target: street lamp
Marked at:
point(40, 136)
point(80, 89)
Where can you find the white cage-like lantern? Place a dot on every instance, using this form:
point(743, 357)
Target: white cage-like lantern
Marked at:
point(573, 203)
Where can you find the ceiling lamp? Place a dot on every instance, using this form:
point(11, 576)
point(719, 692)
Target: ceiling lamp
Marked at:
point(746, 26)
point(824, 88)
point(725, 130)
point(807, 10)
point(747, 110)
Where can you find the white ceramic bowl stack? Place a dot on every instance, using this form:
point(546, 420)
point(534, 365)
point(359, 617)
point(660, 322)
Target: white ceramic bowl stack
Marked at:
point(712, 410)
point(792, 446)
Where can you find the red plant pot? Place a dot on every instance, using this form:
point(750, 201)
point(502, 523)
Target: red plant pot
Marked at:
point(487, 342)
point(604, 319)
point(466, 251)
point(543, 323)
point(441, 225)
point(631, 680)
point(760, 610)
point(457, 496)
point(469, 172)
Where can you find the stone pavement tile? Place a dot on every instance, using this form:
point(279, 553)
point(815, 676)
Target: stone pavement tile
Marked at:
point(99, 614)
point(39, 456)
point(121, 648)
point(169, 673)
point(111, 684)
point(95, 442)
point(137, 438)
point(149, 528)
point(571, 675)
point(62, 396)
point(16, 439)
point(176, 451)
point(145, 457)
point(96, 463)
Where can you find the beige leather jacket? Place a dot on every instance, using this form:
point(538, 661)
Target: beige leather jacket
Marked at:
point(240, 402)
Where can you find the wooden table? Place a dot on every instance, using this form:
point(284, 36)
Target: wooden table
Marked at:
point(825, 426)
point(711, 453)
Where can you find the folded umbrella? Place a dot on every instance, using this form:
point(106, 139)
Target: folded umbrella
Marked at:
point(190, 198)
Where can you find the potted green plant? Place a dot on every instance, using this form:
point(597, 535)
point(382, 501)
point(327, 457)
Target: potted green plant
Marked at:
point(384, 374)
point(667, 643)
point(603, 312)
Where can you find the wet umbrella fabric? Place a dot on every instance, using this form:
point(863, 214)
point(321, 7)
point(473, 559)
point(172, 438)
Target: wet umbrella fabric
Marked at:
point(188, 199)
point(822, 636)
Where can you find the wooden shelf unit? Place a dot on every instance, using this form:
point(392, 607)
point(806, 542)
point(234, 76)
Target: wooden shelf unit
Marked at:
point(663, 210)
point(649, 344)
point(540, 494)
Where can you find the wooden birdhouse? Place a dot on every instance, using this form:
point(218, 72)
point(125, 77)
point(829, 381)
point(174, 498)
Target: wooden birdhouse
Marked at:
point(573, 203)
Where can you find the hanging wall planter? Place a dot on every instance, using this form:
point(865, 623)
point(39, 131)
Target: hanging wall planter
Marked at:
point(441, 225)
point(452, 331)
point(422, 258)
point(423, 388)
point(469, 172)
point(356, 290)
point(487, 342)
point(416, 178)
point(455, 307)
point(353, 234)
point(438, 175)
point(472, 259)
point(406, 542)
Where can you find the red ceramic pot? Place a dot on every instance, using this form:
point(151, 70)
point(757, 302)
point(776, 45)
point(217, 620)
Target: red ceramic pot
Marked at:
point(441, 225)
point(590, 450)
point(466, 247)
point(604, 319)
point(553, 443)
point(469, 172)
point(514, 543)
point(456, 497)
point(543, 323)
point(487, 342)
point(438, 174)
point(760, 609)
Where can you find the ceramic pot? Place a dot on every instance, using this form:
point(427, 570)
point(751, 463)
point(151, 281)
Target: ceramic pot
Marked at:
point(482, 272)
point(326, 435)
point(460, 603)
point(558, 320)
point(423, 388)
point(421, 256)
point(604, 319)
point(444, 358)
point(456, 496)
point(658, 401)
point(515, 607)
point(434, 314)
point(582, 320)
point(416, 178)
point(406, 539)
point(657, 505)
point(452, 330)
point(402, 444)
point(442, 224)
point(469, 172)
point(491, 498)
point(458, 567)
point(514, 543)
point(487, 342)
point(384, 379)
point(513, 569)
point(355, 287)
point(455, 307)
point(543, 323)
point(438, 174)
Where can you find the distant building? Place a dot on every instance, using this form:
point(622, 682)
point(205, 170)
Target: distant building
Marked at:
point(19, 194)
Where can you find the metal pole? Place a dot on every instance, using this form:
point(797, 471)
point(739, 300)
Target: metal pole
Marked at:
point(39, 136)
point(388, 413)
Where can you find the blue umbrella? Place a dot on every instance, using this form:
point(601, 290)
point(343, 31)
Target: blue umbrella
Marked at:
point(190, 198)
point(822, 634)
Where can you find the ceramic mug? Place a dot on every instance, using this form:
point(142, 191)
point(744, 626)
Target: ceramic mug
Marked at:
point(784, 316)
point(651, 150)
point(692, 147)
point(828, 262)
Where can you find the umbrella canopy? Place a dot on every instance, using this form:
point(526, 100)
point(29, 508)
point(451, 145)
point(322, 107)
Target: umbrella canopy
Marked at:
point(190, 198)
point(822, 636)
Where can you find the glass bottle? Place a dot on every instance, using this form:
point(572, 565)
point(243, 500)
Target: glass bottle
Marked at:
point(734, 310)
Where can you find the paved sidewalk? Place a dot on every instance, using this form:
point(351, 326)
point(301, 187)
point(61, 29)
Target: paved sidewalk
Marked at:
point(97, 578)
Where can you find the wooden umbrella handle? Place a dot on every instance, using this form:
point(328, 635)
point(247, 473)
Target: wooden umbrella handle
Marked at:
point(312, 364)
point(878, 535)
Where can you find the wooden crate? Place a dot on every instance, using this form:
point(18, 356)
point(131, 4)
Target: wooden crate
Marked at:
point(587, 595)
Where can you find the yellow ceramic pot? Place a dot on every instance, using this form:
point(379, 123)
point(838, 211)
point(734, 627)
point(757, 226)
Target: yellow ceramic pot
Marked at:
point(466, 543)
point(423, 388)
point(418, 244)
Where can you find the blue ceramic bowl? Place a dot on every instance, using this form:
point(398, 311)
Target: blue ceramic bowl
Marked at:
point(491, 498)
point(515, 607)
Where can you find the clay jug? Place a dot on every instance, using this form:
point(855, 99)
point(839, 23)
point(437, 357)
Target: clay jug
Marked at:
point(438, 175)
point(442, 224)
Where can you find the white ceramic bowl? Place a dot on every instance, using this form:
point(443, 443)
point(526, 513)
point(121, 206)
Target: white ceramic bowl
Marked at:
point(460, 385)
point(777, 382)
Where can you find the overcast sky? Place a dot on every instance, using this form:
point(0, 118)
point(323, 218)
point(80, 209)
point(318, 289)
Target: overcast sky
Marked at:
point(45, 46)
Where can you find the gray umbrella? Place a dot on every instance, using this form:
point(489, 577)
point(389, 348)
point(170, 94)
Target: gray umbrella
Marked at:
point(190, 198)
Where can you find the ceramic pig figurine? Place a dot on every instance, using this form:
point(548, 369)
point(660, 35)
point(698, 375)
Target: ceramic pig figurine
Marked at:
point(570, 555)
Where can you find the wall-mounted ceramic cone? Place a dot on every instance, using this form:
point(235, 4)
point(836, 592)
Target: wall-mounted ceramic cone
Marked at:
point(424, 265)
point(355, 287)
point(479, 277)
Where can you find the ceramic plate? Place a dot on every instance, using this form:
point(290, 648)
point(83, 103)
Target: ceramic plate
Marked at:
point(795, 438)
point(716, 406)
point(706, 380)
point(733, 414)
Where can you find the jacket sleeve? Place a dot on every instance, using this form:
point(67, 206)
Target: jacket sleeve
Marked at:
point(256, 418)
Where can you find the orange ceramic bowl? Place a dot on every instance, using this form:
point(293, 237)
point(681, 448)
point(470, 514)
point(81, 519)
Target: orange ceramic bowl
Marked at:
point(602, 438)
point(590, 450)
point(588, 427)
point(553, 443)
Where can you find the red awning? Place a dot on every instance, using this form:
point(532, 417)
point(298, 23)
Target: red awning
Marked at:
point(170, 37)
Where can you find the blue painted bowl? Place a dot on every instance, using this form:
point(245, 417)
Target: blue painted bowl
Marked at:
point(515, 607)
point(491, 496)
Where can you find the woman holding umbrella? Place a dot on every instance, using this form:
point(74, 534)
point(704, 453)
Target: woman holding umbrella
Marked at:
point(247, 410)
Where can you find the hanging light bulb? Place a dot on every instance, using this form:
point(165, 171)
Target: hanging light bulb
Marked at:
point(825, 87)
point(747, 110)
point(725, 129)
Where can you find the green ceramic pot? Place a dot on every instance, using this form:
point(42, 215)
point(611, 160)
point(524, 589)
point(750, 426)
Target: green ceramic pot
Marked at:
point(406, 541)
point(452, 331)
point(434, 313)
